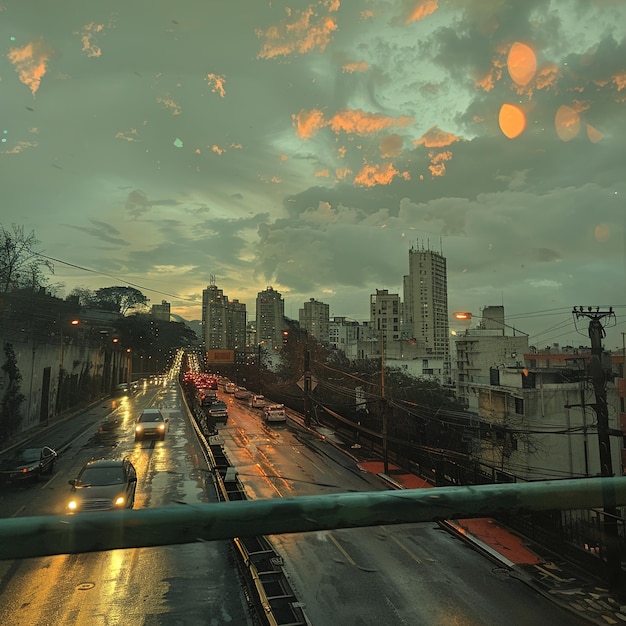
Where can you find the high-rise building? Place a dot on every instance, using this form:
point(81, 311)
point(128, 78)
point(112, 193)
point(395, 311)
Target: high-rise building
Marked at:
point(161, 311)
point(314, 318)
point(426, 302)
point(223, 322)
point(385, 315)
point(270, 318)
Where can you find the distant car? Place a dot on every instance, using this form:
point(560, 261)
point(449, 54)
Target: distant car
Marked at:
point(257, 401)
point(150, 423)
point(103, 485)
point(274, 413)
point(241, 393)
point(28, 464)
point(218, 411)
point(230, 388)
point(122, 389)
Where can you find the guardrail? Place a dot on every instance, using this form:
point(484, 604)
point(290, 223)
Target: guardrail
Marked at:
point(259, 562)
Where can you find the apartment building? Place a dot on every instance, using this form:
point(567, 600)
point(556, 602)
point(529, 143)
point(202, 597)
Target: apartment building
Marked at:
point(314, 317)
point(270, 318)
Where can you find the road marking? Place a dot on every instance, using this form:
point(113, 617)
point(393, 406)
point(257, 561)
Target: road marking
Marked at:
point(342, 550)
point(18, 511)
point(401, 545)
point(49, 481)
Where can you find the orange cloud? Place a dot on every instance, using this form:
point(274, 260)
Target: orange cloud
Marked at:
point(437, 165)
point(350, 68)
point(217, 84)
point(372, 175)
point(436, 138)
point(620, 81)
point(362, 123)
point(86, 37)
point(30, 62)
point(131, 135)
point(307, 31)
point(322, 174)
point(20, 146)
point(217, 149)
point(307, 123)
point(170, 104)
point(343, 172)
point(422, 10)
point(548, 76)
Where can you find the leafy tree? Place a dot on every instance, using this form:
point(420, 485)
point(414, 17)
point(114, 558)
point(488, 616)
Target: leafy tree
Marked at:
point(119, 299)
point(86, 297)
point(11, 403)
point(20, 264)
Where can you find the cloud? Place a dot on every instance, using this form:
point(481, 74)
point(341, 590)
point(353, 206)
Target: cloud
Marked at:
point(31, 63)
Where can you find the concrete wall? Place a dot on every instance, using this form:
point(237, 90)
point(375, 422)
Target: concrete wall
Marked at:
point(58, 376)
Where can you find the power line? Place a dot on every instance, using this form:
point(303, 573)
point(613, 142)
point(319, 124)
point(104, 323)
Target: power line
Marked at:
point(123, 280)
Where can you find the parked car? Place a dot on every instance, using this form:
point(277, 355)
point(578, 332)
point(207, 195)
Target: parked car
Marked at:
point(218, 411)
point(257, 401)
point(103, 485)
point(275, 413)
point(150, 423)
point(28, 464)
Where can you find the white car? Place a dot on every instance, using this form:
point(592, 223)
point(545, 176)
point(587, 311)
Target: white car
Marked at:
point(257, 401)
point(230, 388)
point(275, 413)
point(150, 423)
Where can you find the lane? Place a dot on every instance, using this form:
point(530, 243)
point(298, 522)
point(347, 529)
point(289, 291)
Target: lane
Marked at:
point(401, 575)
point(191, 584)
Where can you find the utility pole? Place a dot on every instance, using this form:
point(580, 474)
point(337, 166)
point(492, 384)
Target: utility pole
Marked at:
point(307, 388)
point(383, 404)
point(599, 378)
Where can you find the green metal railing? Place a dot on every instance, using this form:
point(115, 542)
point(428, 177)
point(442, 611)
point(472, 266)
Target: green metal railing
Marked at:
point(25, 537)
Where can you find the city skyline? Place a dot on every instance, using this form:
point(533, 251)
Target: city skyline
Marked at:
point(308, 148)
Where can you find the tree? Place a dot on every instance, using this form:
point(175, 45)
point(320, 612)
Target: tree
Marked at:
point(20, 264)
point(119, 299)
point(86, 297)
point(11, 403)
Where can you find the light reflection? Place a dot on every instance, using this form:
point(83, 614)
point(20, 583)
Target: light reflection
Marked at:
point(512, 120)
point(521, 63)
point(567, 123)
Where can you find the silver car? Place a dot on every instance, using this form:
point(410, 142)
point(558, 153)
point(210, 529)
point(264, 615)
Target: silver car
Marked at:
point(103, 485)
point(150, 423)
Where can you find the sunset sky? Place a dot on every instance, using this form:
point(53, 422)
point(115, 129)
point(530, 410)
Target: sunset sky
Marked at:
point(309, 145)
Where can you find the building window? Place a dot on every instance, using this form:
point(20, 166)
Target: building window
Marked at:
point(519, 406)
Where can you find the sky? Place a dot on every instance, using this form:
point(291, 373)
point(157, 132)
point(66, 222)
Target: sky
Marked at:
point(308, 146)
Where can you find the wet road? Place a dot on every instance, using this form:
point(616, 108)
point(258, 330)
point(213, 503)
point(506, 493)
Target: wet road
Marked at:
point(413, 574)
point(190, 584)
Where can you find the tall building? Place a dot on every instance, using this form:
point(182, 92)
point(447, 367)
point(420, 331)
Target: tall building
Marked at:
point(223, 322)
point(385, 315)
point(426, 302)
point(314, 318)
point(161, 311)
point(270, 318)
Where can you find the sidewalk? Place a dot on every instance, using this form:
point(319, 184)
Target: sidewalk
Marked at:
point(562, 582)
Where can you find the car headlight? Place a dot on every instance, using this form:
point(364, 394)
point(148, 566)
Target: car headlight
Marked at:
point(161, 426)
point(138, 428)
point(72, 505)
point(119, 501)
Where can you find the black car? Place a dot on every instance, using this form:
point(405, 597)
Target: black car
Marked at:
point(28, 464)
